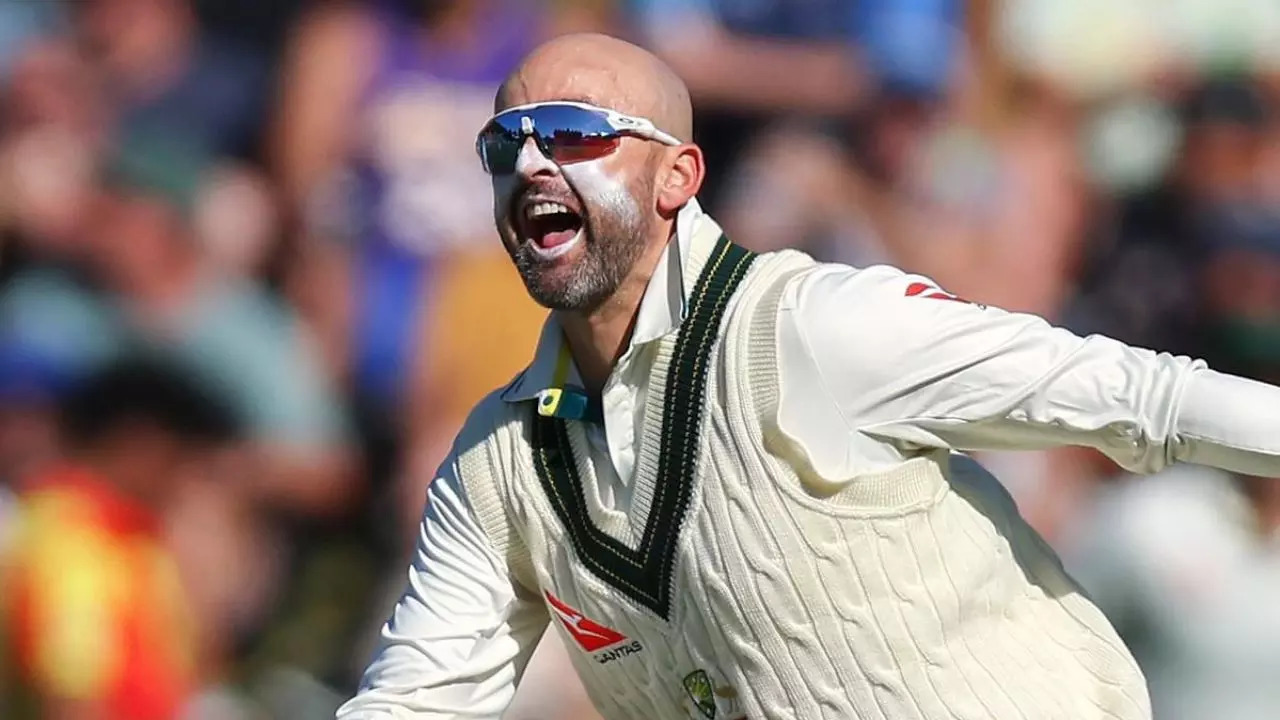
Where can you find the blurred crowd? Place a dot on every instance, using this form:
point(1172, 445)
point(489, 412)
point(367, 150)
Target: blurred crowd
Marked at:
point(249, 288)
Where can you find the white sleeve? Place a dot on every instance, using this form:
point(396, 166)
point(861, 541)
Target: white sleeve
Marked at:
point(1231, 423)
point(460, 634)
point(887, 355)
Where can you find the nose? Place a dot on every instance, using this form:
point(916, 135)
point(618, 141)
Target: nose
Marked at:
point(531, 163)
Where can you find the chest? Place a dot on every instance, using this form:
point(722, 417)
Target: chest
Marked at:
point(639, 663)
point(645, 612)
point(623, 586)
point(723, 607)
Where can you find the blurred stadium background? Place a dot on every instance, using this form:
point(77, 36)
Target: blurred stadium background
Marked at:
point(249, 288)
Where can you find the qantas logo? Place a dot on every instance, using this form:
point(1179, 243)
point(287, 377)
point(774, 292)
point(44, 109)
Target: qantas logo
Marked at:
point(592, 636)
point(919, 289)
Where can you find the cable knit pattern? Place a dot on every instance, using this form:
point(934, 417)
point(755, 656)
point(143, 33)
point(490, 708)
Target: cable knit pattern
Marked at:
point(915, 593)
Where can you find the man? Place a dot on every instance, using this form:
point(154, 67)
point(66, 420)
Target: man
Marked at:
point(728, 477)
point(94, 620)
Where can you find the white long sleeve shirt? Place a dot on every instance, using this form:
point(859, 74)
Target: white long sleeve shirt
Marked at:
point(874, 364)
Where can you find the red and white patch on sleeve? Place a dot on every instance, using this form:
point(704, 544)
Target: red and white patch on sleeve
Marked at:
point(919, 289)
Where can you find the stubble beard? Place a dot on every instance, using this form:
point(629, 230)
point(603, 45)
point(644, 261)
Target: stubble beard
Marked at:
point(614, 235)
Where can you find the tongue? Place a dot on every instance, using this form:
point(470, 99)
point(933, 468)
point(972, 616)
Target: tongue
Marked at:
point(557, 229)
point(556, 237)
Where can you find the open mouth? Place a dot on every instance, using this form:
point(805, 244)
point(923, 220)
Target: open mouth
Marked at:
point(552, 227)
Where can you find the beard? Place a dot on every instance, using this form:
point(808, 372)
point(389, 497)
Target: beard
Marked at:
point(614, 232)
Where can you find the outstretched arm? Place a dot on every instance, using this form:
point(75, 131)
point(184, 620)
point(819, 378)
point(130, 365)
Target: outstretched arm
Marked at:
point(890, 356)
point(462, 632)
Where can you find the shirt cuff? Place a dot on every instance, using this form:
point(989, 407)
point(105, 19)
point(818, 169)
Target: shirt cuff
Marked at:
point(1231, 423)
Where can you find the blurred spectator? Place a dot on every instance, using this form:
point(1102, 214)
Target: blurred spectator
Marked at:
point(164, 75)
point(416, 300)
point(1186, 564)
point(154, 283)
point(1095, 48)
point(749, 62)
point(95, 618)
point(236, 221)
point(482, 331)
point(247, 345)
point(1143, 283)
point(20, 23)
point(993, 212)
point(260, 27)
point(1242, 291)
point(51, 136)
point(30, 386)
point(380, 110)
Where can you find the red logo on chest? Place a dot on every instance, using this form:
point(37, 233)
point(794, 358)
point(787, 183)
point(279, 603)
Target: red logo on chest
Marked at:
point(591, 636)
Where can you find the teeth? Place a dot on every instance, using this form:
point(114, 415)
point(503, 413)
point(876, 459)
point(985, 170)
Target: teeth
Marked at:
point(544, 208)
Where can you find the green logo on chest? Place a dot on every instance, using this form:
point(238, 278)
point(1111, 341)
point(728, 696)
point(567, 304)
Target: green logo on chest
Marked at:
point(698, 685)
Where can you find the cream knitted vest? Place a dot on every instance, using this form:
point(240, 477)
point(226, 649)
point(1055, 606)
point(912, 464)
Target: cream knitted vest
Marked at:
point(914, 593)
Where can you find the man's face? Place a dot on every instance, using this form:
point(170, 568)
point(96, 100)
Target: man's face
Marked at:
point(575, 230)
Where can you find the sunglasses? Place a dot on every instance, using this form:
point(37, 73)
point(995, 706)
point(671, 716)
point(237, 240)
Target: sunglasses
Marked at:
point(565, 132)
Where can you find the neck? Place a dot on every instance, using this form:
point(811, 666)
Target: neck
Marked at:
point(599, 337)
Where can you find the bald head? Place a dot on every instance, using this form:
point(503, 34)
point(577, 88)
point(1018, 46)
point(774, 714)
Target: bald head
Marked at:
point(613, 206)
point(603, 71)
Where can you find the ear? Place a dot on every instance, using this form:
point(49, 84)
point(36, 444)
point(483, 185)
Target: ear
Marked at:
point(683, 176)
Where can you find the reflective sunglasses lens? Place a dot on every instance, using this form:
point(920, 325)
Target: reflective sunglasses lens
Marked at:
point(499, 148)
point(572, 134)
point(570, 147)
point(564, 133)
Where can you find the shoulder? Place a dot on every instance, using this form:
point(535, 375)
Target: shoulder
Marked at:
point(493, 420)
point(864, 313)
point(753, 311)
point(882, 316)
point(487, 458)
point(796, 304)
point(493, 443)
point(826, 287)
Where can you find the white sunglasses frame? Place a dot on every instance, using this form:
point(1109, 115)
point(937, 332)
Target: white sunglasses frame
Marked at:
point(630, 124)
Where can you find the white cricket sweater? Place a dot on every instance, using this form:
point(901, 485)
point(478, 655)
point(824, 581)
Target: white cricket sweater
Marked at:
point(913, 593)
point(835, 560)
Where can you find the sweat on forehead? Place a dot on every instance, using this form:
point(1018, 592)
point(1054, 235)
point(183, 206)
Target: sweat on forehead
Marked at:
point(603, 71)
